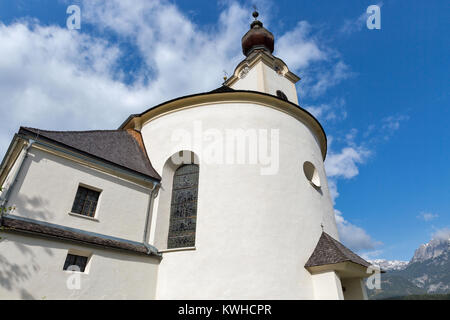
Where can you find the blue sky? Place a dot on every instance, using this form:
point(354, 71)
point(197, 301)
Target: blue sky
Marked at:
point(381, 95)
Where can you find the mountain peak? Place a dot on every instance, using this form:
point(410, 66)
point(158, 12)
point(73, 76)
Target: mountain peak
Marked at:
point(431, 250)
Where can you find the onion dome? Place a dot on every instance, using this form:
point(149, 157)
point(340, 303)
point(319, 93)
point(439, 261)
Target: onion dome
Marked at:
point(257, 37)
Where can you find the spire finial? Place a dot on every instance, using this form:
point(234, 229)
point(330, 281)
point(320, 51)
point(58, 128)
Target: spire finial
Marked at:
point(321, 225)
point(225, 76)
point(255, 13)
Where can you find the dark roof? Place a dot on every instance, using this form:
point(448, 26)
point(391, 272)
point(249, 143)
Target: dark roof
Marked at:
point(120, 147)
point(331, 251)
point(45, 229)
point(223, 88)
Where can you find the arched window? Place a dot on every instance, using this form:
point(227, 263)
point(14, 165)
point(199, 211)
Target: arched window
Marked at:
point(281, 95)
point(183, 209)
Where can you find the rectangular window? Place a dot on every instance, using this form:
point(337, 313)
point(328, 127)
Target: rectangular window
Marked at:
point(74, 260)
point(85, 201)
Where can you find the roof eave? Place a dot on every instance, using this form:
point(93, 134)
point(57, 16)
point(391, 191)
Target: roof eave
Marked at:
point(136, 120)
point(26, 134)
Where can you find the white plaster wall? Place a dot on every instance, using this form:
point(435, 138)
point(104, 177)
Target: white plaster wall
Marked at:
point(274, 81)
point(265, 79)
point(254, 232)
point(354, 289)
point(46, 190)
point(327, 286)
point(251, 81)
point(32, 268)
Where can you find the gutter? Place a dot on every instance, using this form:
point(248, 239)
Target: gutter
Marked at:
point(149, 213)
point(50, 230)
point(5, 199)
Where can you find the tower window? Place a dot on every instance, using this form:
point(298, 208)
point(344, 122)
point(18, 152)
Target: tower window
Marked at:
point(311, 174)
point(281, 95)
point(85, 201)
point(183, 211)
point(74, 262)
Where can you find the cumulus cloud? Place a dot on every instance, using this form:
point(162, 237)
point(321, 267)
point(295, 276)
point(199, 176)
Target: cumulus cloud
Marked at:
point(55, 78)
point(344, 164)
point(353, 236)
point(442, 234)
point(298, 49)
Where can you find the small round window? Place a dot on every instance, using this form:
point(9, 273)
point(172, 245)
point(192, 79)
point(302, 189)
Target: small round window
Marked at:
point(311, 174)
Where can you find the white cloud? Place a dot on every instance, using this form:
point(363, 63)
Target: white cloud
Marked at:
point(54, 78)
point(353, 236)
point(344, 164)
point(390, 124)
point(442, 234)
point(427, 216)
point(334, 111)
point(329, 78)
point(298, 49)
point(369, 255)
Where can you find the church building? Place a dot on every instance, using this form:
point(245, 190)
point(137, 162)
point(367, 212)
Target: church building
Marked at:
point(152, 211)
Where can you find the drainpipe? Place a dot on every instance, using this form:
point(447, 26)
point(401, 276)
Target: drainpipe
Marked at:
point(153, 195)
point(5, 199)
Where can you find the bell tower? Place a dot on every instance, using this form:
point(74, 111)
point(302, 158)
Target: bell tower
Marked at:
point(261, 70)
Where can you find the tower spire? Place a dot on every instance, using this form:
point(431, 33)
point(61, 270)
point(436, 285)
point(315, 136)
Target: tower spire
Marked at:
point(257, 37)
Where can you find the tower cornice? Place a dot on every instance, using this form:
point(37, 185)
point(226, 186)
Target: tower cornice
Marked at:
point(236, 96)
point(270, 60)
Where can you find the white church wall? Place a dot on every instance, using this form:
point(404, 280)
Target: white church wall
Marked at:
point(46, 190)
point(32, 268)
point(253, 80)
point(354, 289)
point(274, 81)
point(327, 286)
point(265, 79)
point(254, 232)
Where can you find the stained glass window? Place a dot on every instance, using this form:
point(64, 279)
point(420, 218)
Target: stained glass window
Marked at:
point(183, 211)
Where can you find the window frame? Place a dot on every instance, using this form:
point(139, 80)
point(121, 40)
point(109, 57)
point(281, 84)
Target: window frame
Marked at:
point(77, 254)
point(94, 217)
point(191, 217)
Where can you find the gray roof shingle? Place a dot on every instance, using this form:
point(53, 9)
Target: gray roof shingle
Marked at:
point(331, 251)
point(119, 147)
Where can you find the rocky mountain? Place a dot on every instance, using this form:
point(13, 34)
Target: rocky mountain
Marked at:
point(431, 250)
point(389, 265)
point(428, 272)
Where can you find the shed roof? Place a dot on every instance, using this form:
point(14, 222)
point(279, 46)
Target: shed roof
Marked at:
point(330, 251)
